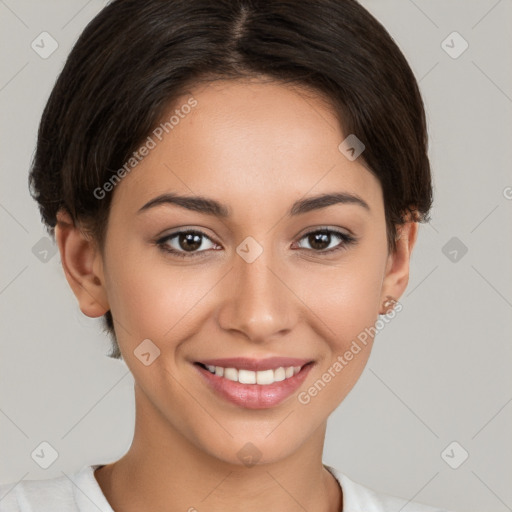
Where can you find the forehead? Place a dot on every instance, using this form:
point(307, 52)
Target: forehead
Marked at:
point(247, 141)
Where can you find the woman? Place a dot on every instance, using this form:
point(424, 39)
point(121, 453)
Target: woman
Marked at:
point(235, 187)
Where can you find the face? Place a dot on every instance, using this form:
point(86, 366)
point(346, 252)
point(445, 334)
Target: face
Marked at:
point(268, 278)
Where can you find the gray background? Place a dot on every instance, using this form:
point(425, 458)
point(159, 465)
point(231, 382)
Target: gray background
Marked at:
point(440, 372)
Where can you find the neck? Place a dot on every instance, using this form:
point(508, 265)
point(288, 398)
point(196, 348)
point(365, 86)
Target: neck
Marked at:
point(164, 470)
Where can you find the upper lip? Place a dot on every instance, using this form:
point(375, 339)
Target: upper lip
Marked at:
point(247, 363)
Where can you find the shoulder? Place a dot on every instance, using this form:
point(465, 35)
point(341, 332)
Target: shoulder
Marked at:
point(23, 495)
point(74, 493)
point(358, 498)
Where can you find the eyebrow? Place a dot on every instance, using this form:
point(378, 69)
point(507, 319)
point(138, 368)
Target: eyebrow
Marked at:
point(212, 207)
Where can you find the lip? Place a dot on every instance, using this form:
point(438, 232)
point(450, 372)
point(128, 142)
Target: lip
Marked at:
point(254, 396)
point(246, 363)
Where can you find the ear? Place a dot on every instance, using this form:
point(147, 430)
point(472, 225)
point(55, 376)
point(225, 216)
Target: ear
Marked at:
point(397, 268)
point(83, 266)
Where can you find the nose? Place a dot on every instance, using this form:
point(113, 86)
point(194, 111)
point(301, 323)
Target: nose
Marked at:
point(258, 302)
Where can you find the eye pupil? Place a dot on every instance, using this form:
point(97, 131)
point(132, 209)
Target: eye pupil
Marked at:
point(189, 241)
point(320, 237)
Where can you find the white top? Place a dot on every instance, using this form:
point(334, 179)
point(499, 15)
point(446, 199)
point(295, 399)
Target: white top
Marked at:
point(83, 494)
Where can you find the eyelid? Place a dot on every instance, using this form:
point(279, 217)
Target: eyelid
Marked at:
point(332, 229)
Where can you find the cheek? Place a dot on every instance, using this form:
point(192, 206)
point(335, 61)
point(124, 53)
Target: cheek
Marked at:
point(152, 298)
point(345, 296)
point(346, 300)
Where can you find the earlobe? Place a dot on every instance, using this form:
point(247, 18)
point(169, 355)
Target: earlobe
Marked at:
point(82, 265)
point(397, 267)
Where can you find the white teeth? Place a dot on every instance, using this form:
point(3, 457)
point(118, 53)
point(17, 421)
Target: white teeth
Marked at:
point(279, 374)
point(263, 377)
point(231, 374)
point(246, 377)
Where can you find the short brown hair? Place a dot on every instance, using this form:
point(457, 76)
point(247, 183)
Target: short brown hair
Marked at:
point(135, 58)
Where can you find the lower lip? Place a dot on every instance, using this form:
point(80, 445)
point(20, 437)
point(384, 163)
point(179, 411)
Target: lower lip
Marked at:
point(255, 396)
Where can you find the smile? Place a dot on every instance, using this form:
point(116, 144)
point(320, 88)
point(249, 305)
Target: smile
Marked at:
point(254, 384)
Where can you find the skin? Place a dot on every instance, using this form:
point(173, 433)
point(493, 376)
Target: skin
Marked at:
point(256, 147)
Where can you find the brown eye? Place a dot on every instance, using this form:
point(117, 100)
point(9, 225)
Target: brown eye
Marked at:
point(184, 243)
point(189, 241)
point(320, 240)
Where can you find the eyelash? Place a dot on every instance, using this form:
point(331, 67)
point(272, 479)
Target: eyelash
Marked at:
point(347, 240)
